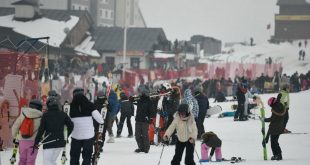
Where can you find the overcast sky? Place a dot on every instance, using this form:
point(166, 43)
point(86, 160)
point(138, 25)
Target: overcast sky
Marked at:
point(228, 20)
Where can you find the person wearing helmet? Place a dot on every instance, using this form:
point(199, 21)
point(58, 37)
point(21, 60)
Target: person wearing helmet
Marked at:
point(34, 111)
point(82, 112)
point(185, 126)
point(52, 125)
point(276, 126)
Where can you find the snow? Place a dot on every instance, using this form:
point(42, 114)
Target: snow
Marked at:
point(42, 27)
point(158, 54)
point(285, 53)
point(85, 48)
point(239, 139)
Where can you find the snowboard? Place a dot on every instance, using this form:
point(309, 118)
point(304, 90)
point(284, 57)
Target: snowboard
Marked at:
point(98, 141)
point(262, 113)
point(214, 110)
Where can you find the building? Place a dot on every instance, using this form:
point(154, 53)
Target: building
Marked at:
point(134, 17)
point(206, 45)
point(293, 21)
point(140, 44)
point(68, 31)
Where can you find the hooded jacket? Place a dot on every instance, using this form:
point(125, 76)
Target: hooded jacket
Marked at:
point(29, 113)
point(276, 120)
point(211, 139)
point(114, 105)
point(192, 103)
point(127, 107)
point(144, 109)
point(52, 124)
point(185, 127)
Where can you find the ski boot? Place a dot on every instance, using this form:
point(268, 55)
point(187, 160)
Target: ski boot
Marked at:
point(111, 139)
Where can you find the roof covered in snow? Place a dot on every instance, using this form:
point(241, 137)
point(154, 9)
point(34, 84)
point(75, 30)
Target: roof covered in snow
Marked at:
point(293, 2)
point(86, 48)
point(138, 39)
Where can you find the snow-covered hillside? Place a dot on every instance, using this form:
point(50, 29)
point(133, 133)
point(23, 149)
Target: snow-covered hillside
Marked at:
point(239, 139)
point(285, 53)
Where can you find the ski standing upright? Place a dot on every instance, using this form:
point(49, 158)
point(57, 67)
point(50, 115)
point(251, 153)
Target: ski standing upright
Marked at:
point(262, 112)
point(66, 109)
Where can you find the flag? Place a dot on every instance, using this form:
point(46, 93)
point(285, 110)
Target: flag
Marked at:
point(268, 26)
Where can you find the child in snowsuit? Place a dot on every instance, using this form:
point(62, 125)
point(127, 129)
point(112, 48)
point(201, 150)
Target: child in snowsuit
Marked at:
point(52, 125)
point(276, 127)
point(210, 140)
point(25, 144)
point(185, 126)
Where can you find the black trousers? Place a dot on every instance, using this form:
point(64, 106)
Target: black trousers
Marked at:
point(240, 112)
point(286, 117)
point(142, 136)
point(189, 154)
point(275, 147)
point(121, 124)
point(199, 123)
point(87, 149)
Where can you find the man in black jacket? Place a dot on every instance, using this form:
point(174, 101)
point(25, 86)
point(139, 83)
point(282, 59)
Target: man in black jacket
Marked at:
point(239, 115)
point(52, 125)
point(203, 103)
point(127, 110)
point(143, 118)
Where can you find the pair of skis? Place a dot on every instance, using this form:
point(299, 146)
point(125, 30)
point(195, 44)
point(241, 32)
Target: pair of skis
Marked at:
point(66, 109)
point(99, 135)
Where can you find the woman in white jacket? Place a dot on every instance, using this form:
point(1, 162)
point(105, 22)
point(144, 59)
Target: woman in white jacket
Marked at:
point(185, 126)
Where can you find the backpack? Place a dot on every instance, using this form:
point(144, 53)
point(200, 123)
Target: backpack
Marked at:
point(27, 127)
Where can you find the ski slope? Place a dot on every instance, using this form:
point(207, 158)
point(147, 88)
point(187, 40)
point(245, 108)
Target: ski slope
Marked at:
point(242, 139)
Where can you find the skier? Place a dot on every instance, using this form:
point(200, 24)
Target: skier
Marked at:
point(203, 103)
point(276, 126)
point(191, 102)
point(52, 126)
point(185, 126)
point(170, 105)
point(143, 118)
point(127, 110)
point(81, 112)
point(101, 99)
point(284, 98)
point(210, 140)
point(239, 115)
point(34, 112)
point(114, 108)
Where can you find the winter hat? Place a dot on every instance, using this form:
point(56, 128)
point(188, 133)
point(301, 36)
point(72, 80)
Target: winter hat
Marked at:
point(271, 101)
point(143, 89)
point(183, 108)
point(77, 91)
point(52, 93)
point(101, 95)
point(36, 104)
point(51, 103)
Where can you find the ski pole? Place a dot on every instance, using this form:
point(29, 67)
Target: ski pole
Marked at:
point(161, 154)
point(51, 141)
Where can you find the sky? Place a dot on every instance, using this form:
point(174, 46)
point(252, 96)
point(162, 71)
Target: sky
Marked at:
point(227, 20)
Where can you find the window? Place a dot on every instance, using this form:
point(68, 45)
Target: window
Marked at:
point(106, 14)
point(135, 63)
point(112, 15)
point(104, 1)
point(101, 12)
point(110, 61)
point(73, 8)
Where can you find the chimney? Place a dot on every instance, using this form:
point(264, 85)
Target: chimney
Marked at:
point(26, 10)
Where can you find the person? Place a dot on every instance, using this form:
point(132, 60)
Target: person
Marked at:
point(127, 110)
point(240, 94)
point(52, 127)
point(82, 112)
point(185, 126)
point(113, 108)
point(303, 55)
point(191, 102)
point(143, 118)
point(99, 103)
point(276, 126)
point(284, 98)
point(210, 140)
point(203, 104)
point(34, 112)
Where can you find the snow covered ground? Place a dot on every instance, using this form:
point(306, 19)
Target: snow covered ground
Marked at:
point(242, 139)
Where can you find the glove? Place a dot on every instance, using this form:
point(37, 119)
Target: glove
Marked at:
point(261, 119)
point(266, 140)
point(263, 130)
point(191, 140)
point(34, 147)
point(165, 138)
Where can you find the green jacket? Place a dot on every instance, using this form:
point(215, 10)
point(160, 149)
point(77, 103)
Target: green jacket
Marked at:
point(284, 98)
